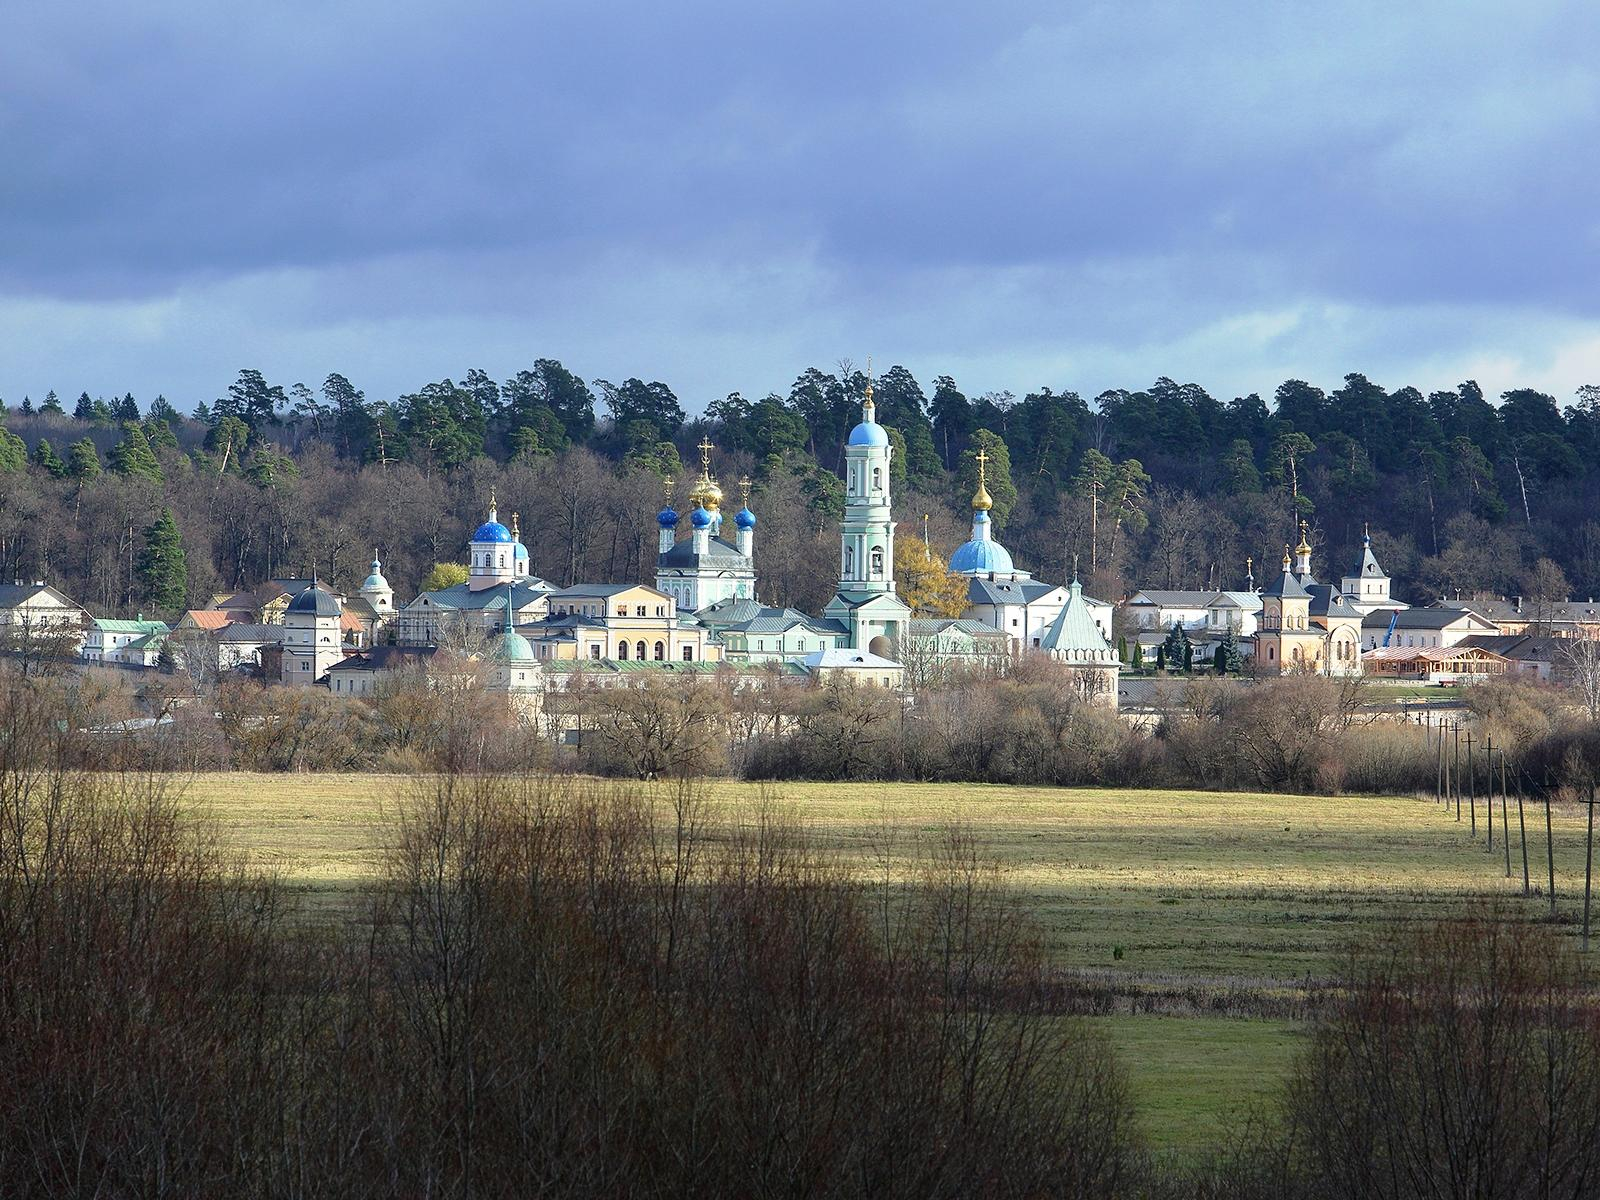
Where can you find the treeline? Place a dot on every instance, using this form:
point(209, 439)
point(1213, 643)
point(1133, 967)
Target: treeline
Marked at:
point(1032, 725)
point(569, 988)
point(1162, 487)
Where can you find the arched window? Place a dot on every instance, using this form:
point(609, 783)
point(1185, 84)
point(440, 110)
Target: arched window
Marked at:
point(877, 562)
point(639, 651)
point(661, 652)
point(622, 651)
point(877, 479)
point(849, 562)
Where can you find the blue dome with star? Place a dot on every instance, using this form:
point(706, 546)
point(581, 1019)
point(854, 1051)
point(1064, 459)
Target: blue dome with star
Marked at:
point(667, 519)
point(744, 519)
point(491, 531)
point(699, 518)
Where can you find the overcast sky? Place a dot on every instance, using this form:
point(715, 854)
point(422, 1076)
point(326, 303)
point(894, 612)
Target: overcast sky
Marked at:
point(718, 195)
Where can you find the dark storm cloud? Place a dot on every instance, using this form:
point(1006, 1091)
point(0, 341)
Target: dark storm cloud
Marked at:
point(728, 190)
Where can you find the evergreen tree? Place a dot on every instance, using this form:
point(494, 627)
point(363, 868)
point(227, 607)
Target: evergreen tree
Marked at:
point(46, 458)
point(161, 410)
point(133, 457)
point(83, 460)
point(1161, 657)
point(1122, 648)
point(1137, 660)
point(1188, 657)
point(27, 406)
point(159, 434)
point(85, 409)
point(51, 406)
point(1176, 649)
point(13, 452)
point(1228, 660)
point(126, 409)
point(997, 476)
point(163, 566)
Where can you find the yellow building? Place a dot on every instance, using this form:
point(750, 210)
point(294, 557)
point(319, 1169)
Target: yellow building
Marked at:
point(623, 622)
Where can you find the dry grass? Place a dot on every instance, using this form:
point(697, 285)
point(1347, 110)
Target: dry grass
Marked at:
point(1218, 887)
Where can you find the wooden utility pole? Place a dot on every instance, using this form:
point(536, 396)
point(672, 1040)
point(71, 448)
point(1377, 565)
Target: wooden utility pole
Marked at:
point(1455, 766)
point(1488, 798)
point(1550, 850)
point(1505, 816)
point(1522, 824)
point(1588, 868)
point(1472, 787)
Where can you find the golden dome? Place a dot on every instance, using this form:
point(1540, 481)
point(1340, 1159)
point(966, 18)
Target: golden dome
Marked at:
point(1302, 548)
point(981, 500)
point(705, 492)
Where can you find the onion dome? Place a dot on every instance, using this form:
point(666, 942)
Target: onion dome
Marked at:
point(667, 518)
point(375, 581)
point(700, 518)
point(982, 554)
point(314, 602)
point(744, 519)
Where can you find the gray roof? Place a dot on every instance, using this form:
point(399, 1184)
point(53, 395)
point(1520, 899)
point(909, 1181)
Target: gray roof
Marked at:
point(593, 589)
point(778, 620)
point(718, 551)
point(1328, 601)
point(1007, 591)
point(14, 594)
point(1417, 618)
point(383, 657)
point(1533, 611)
point(1369, 568)
point(460, 596)
point(1173, 598)
point(929, 626)
point(240, 632)
point(1286, 587)
point(1523, 647)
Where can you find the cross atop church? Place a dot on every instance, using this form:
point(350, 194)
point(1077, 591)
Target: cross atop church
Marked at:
point(705, 454)
point(981, 458)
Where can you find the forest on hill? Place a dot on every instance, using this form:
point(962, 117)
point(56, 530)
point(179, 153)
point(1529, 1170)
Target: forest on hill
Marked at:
point(132, 506)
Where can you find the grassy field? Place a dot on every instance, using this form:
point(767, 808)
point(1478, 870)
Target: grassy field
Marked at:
point(1193, 898)
point(1226, 889)
point(1193, 1077)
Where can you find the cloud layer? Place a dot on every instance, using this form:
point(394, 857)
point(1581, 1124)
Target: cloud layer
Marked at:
point(719, 195)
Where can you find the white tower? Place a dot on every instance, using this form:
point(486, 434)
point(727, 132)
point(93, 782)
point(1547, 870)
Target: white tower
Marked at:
point(1367, 589)
point(491, 555)
point(866, 602)
point(312, 638)
point(376, 590)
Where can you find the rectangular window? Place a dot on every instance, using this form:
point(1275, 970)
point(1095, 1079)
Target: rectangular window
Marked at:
point(688, 654)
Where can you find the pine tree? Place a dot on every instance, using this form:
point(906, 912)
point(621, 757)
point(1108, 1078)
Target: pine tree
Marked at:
point(85, 409)
point(127, 409)
point(27, 406)
point(13, 452)
point(45, 457)
point(1176, 649)
point(1228, 660)
point(51, 406)
point(83, 460)
point(133, 457)
point(163, 567)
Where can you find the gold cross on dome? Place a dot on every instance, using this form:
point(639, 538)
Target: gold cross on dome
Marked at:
point(981, 458)
point(705, 452)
